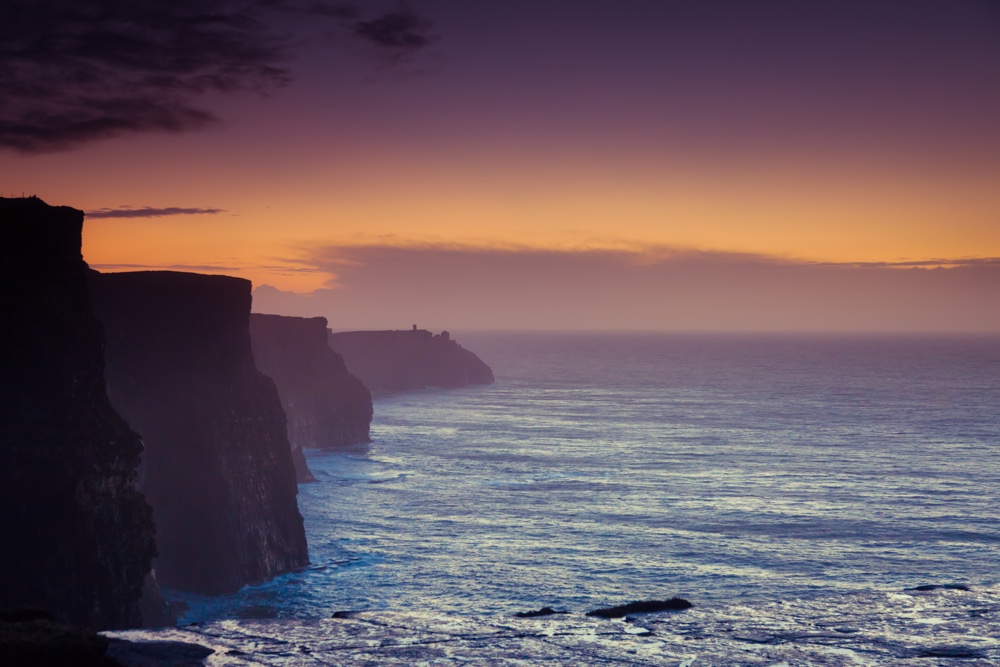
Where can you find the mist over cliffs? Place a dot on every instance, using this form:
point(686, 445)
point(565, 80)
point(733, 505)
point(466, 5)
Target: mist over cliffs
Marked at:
point(218, 469)
point(137, 433)
point(76, 536)
point(409, 359)
point(326, 406)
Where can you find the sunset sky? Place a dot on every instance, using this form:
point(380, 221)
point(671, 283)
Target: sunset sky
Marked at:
point(529, 164)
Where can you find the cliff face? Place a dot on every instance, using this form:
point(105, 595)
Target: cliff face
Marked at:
point(325, 405)
point(403, 360)
point(218, 469)
point(76, 537)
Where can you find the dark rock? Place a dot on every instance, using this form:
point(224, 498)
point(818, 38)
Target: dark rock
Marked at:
point(405, 360)
point(157, 611)
point(326, 406)
point(934, 587)
point(157, 653)
point(76, 536)
point(544, 611)
point(642, 607)
point(34, 639)
point(25, 615)
point(218, 467)
point(950, 652)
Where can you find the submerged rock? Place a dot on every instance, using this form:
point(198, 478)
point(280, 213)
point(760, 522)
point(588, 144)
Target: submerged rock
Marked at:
point(405, 360)
point(76, 536)
point(642, 607)
point(326, 406)
point(218, 467)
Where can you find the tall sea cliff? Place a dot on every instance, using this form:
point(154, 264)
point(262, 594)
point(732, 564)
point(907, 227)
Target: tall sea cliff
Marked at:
point(326, 406)
point(218, 468)
point(76, 536)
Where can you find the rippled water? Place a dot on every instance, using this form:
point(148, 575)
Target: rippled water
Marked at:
point(603, 468)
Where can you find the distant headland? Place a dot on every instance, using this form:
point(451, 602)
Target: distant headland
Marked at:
point(401, 360)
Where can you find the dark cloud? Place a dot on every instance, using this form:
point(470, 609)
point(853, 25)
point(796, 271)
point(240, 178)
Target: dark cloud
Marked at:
point(401, 31)
point(78, 71)
point(149, 212)
point(337, 11)
point(196, 268)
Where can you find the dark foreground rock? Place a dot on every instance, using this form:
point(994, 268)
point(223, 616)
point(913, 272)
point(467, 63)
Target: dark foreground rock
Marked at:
point(326, 406)
point(76, 536)
point(406, 360)
point(218, 468)
point(641, 607)
point(35, 639)
point(157, 653)
point(943, 628)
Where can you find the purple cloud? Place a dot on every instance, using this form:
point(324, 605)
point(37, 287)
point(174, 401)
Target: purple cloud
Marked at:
point(73, 72)
point(149, 212)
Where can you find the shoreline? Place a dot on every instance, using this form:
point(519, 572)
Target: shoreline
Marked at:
point(951, 625)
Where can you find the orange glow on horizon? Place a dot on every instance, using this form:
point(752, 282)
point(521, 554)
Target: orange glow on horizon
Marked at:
point(810, 218)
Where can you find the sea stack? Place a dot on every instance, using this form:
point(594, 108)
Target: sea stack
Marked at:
point(326, 406)
point(218, 469)
point(388, 361)
point(76, 536)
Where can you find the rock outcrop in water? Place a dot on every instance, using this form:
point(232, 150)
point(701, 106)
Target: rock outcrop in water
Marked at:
point(404, 360)
point(326, 406)
point(641, 607)
point(76, 536)
point(218, 468)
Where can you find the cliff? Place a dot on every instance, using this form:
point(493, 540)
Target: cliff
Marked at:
point(403, 360)
point(325, 405)
point(76, 536)
point(218, 468)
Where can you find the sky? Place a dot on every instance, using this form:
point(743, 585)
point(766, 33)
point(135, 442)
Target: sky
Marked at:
point(630, 164)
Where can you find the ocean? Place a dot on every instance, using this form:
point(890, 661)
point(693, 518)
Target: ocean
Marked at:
point(608, 467)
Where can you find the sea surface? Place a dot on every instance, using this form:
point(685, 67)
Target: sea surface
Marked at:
point(604, 468)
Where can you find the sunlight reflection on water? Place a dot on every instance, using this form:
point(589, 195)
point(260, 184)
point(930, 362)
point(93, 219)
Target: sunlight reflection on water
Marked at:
point(608, 468)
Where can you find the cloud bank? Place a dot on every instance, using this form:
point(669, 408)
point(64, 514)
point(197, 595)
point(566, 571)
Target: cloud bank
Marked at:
point(74, 72)
point(467, 288)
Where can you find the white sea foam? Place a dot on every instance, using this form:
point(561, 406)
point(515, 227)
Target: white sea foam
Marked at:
point(870, 628)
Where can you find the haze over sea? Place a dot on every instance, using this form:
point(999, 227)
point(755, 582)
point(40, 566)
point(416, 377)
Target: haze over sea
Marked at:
point(608, 467)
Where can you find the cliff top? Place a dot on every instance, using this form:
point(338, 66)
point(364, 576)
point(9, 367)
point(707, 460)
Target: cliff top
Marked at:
point(288, 319)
